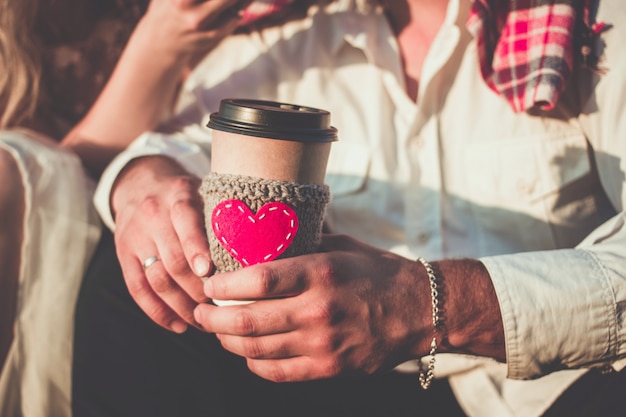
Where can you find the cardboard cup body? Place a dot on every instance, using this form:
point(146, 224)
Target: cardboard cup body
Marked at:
point(265, 153)
point(282, 160)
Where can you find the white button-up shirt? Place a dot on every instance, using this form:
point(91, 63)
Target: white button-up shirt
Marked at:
point(455, 174)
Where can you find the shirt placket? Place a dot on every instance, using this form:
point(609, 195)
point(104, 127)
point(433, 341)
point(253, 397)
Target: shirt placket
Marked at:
point(425, 191)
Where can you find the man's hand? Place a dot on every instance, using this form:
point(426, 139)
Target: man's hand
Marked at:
point(351, 309)
point(158, 212)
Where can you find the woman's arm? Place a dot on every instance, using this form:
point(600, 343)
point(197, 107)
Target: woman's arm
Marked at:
point(144, 84)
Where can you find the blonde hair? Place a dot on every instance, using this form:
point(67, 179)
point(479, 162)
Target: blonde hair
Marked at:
point(19, 62)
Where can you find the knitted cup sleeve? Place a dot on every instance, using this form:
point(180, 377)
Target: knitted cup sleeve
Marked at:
point(306, 201)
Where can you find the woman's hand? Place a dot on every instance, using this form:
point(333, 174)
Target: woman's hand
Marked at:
point(169, 39)
point(158, 212)
point(186, 30)
point(349, 309)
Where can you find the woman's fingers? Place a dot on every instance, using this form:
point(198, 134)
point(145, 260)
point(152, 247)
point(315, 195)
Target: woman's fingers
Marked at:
point(146, 298)
point(188, 223)
point(168, 290)
point(162, 203)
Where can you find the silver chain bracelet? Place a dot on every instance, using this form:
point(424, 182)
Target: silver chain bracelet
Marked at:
point(426, 374)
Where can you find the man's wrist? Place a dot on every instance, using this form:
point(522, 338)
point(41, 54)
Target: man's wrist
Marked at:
point(471, 318)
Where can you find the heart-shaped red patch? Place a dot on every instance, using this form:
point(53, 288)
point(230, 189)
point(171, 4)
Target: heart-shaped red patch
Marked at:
point(254, 238)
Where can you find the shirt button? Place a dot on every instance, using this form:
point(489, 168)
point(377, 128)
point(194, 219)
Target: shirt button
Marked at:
point(423, 237)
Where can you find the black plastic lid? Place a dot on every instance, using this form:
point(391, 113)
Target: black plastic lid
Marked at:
point(274, 120)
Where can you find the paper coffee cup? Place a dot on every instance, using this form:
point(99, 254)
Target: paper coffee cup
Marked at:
point(271, 140)
point(265, 196)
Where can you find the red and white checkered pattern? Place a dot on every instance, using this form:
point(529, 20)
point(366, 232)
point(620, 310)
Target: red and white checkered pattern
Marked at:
point(526, 48)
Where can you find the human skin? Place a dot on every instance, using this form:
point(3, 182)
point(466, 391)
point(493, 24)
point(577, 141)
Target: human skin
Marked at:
point(310, 320)
point(166, 44)
point(349, 309)
point(158, 210)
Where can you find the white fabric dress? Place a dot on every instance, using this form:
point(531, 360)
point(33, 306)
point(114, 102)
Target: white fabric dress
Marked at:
point(61, 232)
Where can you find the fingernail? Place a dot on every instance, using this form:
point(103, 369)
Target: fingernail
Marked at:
point(201, 266)
point(179, 327)
point(196, 315)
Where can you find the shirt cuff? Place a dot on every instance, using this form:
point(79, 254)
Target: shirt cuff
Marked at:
point(551, 304)
point(192, 156)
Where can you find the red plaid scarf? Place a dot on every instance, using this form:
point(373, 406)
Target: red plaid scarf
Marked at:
point(526, 47)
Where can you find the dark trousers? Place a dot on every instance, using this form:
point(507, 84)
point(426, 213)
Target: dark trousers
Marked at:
point(125, 365)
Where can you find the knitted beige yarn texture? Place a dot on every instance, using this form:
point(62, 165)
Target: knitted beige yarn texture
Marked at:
point(309, 201)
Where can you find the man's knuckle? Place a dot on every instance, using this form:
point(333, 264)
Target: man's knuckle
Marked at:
point(244, 324)
point(253, 348)
point(326, 271)
point(276, 374)
point(322, 313)
point(330, 368)
point(323, 343)
point(267, 280)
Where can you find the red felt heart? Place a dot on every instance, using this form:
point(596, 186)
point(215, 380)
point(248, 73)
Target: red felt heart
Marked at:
point(254, 238)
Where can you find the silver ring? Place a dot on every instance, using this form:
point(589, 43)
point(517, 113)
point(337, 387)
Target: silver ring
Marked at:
point(149, 261)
